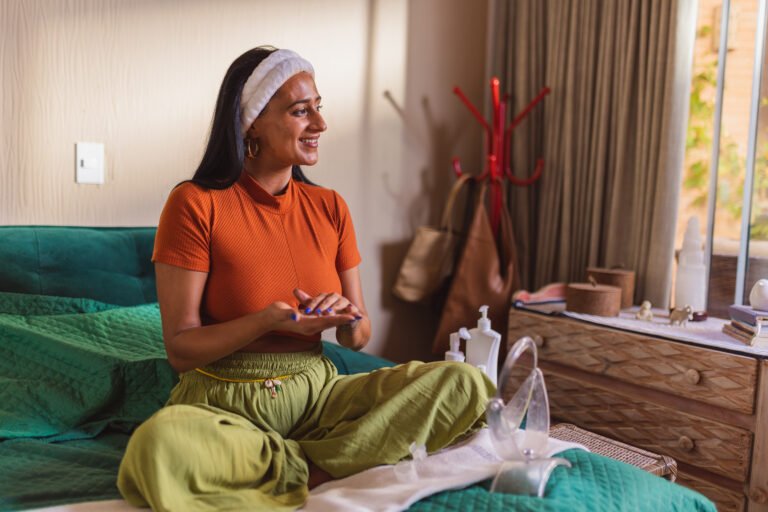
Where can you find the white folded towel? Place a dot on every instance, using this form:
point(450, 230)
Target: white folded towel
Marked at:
point(379, 490)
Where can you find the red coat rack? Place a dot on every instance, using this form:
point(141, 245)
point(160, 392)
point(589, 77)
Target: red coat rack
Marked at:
point(498, 151)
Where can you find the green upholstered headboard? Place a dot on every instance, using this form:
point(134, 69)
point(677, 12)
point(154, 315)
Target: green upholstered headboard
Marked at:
point(111, 265)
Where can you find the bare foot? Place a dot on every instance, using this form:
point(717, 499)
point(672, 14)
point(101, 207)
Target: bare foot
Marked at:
point(316, 476)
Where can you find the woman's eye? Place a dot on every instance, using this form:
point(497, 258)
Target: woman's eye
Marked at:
point(304, 111)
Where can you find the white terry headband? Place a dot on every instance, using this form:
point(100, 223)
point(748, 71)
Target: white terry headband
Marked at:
point(264, 82)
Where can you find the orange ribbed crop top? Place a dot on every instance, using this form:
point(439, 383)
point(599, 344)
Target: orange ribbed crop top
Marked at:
point(256, 247)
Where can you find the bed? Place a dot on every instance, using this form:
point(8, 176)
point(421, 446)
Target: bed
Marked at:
point(82, 364)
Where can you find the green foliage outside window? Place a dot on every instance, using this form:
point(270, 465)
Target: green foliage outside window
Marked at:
point(732, 164)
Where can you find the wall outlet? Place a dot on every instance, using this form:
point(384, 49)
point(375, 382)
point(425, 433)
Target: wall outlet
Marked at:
point(89, 163)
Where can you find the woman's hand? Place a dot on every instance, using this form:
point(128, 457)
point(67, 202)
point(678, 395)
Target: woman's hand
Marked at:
point(287, 319)
point(355, 331)
point(326, 304)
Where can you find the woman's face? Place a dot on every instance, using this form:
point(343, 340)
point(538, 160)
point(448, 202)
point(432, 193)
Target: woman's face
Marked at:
point(288, 129)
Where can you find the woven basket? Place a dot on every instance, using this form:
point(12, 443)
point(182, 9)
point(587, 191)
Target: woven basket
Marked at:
point(659, 465)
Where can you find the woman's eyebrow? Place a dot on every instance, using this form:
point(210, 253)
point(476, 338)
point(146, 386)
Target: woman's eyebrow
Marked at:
point(305, 100)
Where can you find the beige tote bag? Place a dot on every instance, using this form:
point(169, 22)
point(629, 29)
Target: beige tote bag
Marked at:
point(430, 258)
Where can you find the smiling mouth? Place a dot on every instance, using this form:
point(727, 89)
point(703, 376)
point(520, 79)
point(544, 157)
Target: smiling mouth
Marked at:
point(309, 141)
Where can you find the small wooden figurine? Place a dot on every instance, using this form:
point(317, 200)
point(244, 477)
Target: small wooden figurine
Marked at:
point(645, 312)
point(681, 316)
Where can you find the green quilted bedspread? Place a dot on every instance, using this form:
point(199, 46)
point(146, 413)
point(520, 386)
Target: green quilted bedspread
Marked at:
point(67, 375)
point(76, 376)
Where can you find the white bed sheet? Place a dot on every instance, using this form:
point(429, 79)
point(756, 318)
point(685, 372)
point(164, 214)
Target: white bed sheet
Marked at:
point(91, 506)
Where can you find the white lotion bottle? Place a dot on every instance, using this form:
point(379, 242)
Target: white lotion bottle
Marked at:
point(690, 280)
point(483, 346)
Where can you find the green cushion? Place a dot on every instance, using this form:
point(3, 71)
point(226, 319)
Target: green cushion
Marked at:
point(348, 361)
point(110, 265)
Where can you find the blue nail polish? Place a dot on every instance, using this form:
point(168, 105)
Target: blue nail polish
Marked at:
point(358, 317)
point(329, 310)
point(294, 317)
point(308, 311)
point(318, 311)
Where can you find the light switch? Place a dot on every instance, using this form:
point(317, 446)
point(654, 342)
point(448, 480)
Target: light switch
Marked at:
point(89, 163)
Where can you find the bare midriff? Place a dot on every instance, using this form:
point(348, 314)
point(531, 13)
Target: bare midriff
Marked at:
point(277, 343)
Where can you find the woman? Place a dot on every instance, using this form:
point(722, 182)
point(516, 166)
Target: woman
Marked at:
point(253, 262)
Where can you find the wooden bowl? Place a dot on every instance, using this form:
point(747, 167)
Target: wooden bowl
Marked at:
point(593, 299)
point(624, 279)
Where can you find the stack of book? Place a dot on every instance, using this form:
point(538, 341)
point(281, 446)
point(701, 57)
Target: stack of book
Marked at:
point(748, 325)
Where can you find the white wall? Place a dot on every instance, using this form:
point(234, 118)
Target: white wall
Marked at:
point(446, 47)
point(141, 76)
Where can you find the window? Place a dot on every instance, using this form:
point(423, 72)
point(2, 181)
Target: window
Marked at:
point(727, 87)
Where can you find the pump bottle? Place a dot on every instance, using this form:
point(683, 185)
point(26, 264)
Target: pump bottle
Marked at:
point(483, 346)
point(454, 354)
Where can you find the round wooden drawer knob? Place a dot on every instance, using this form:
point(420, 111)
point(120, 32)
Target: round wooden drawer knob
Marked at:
point(685, 443)
point(692, 376)
point(538, 340)
point(758, 495)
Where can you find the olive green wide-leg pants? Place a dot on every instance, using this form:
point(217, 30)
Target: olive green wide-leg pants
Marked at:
point(232, 438)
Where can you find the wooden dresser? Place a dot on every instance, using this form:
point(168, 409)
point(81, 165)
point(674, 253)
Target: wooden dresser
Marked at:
point(706, 408)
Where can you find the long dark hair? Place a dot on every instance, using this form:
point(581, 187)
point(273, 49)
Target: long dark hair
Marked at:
point(224, 155)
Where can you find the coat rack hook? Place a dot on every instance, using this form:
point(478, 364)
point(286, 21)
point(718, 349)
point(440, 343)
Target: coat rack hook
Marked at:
point(457, 167)
point(391, 99)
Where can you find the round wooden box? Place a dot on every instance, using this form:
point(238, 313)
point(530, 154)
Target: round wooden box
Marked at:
point(593, 299)
point(624, 279)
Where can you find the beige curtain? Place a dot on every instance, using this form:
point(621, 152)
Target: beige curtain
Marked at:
point(612, 133)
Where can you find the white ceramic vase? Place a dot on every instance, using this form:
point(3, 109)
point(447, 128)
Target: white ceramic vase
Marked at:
point(758, 297)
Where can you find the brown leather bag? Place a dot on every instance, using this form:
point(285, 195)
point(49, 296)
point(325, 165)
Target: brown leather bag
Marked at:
point(430, 258)
point(486, 274)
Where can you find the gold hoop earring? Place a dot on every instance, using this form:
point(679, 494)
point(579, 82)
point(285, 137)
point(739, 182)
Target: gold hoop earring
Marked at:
point(249, 150)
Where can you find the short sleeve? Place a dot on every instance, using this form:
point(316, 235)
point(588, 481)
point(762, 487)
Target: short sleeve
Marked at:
point(347, 255)
point(183, 233)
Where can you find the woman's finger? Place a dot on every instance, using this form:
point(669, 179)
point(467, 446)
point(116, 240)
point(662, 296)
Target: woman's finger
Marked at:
point(310, 306)
point(351, 309)
point(303, 297)
point(331, 304)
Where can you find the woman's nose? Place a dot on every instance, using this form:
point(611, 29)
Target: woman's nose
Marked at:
point(318, 123)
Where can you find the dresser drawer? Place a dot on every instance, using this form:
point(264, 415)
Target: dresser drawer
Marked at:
point(709, 376)
point(725, 499)
point(706, 444)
